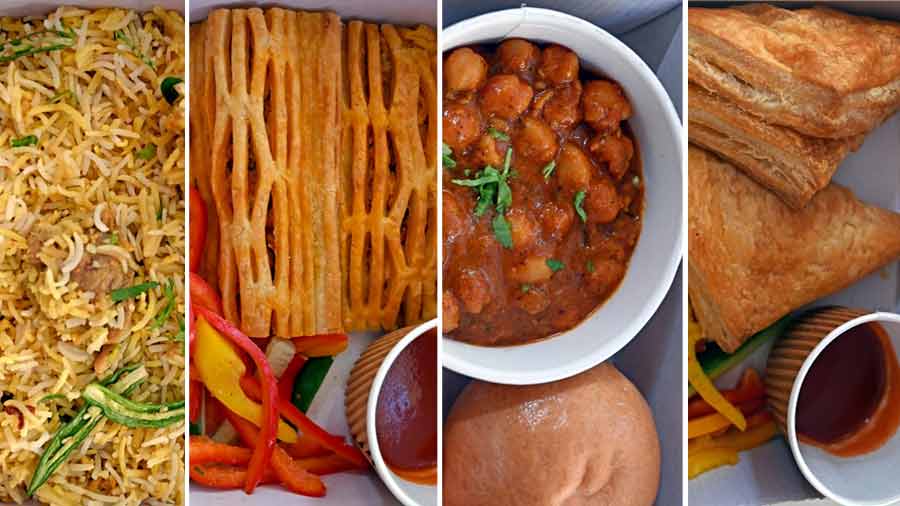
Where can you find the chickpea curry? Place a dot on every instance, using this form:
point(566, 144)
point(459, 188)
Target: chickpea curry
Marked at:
point(542, 192)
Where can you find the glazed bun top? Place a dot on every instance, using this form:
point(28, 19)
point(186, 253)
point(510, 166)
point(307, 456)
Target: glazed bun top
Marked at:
point(586, 440)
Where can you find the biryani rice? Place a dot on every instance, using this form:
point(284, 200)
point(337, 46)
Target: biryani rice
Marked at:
point(81, 214)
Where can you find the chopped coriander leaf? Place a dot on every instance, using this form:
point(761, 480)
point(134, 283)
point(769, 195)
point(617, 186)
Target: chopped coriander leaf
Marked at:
point(485, 199)
point(120, 35)
point(28, 140)
point(466, 172)
point(147, 152)
point(42, 41)
point(113, 238)
point(507, 161)
point(447, 156)
point(548, 169)
point(120, 294)
point(555, 265)
point(497, 134)
point(502, 231)
point(590, 266)
point(167, 88)
point(51, 396)
point(579, 201)
point(525, 287)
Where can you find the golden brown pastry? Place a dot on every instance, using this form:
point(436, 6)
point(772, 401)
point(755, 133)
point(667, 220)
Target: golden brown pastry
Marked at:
point(793, 165)
point(589, 440)
point(753, 259)
point(819, 71)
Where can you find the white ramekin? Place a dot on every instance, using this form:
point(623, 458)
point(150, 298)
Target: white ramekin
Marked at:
point(658, 253)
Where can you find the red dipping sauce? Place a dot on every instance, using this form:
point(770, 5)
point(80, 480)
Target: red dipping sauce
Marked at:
point(406, 415)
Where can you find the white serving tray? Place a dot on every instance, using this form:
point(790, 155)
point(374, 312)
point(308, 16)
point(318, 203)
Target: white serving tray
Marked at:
point(768, 475)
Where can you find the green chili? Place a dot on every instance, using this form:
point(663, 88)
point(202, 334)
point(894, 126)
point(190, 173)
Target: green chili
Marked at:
point(133, 414)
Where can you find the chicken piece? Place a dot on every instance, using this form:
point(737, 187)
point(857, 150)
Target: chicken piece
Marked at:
point(559, 65)
point(517, 55)
point(616, 150)
point(532, 299)
point(505, 96)
point(474, 290)
point(450, 312)
point(556, 219)
point(535, 141)
point(464, 71)
point(462, 125)
point(573, 168)
point(562, 109)
point(99, 274)
point(605, 105)
point(602, 203)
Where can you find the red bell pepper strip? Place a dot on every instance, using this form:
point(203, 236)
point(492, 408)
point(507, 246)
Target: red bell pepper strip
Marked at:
point(329, 464)
point(196, 392)
point(286, 382)
point(214, 415)
point(309, 428)
point(306, 447)
point(749, 388)
point(198, 229)
point(205, 451)
point(323, 345)
point(226, 477)
point(292, 476)
point(204, 295)
point(265, 443)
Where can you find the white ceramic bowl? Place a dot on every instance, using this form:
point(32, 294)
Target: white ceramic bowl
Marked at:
point(867, 480)
point(658, 253)
point(410, 494)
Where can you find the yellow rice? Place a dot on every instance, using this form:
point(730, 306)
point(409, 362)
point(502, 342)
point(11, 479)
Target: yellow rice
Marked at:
point(82, 194)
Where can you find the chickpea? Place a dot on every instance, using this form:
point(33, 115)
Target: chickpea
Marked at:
point(523, 229)
point(573, 168)
point(450, 312)
point(559, 65)
point(532, 300)
point(462, 125)
point(464, 71)
point(505, 96)
point(615, 150)
point(606, 274)
point(556, 219)
point(456, 217)
point(535, 141)
point(605, 105)
point(517, 55)
point(487, 153)
point(602, 202)
point(562, 109)
point(474, 290)
point(533, 269)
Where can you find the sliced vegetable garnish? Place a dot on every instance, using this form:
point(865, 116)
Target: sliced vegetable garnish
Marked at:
point(525, 288)
point(147, 152)
point(204, 451)
point(590, 266)
point(120, 36)
point(169, 294)
point(42, 41)
point(204, 295)
point(548, 169)
point(497, 134)
point(447, 157)
point(28, 140)
point(168, 90)
point(322, 345)
point(579, 202)
point(133, 414)
point(289, 376)
point(113, 238)
point(707, 390)
point(308, 382)
point(51, 397)
point(555, 265)
point(120, 294)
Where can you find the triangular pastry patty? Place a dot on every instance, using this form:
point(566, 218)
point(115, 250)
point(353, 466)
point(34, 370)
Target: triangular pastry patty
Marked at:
point(753, 259)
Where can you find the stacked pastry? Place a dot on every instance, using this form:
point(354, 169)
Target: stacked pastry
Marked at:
point(781, 97)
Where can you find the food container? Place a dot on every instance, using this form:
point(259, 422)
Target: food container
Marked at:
point(865, 480)
point(363, 387)
point(658, 252)
point(768, 475)
point(344, 489)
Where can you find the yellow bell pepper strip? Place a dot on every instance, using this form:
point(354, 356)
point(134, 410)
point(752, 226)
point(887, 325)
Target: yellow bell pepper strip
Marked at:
point(749, 388)
point(709, 459)
point(736, 440)
point(220, 369)
point(707, 390)
point(705, 425)
point(324, 345)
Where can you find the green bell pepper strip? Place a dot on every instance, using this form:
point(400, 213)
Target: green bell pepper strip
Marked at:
point(72, 434)
point(133, 414)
